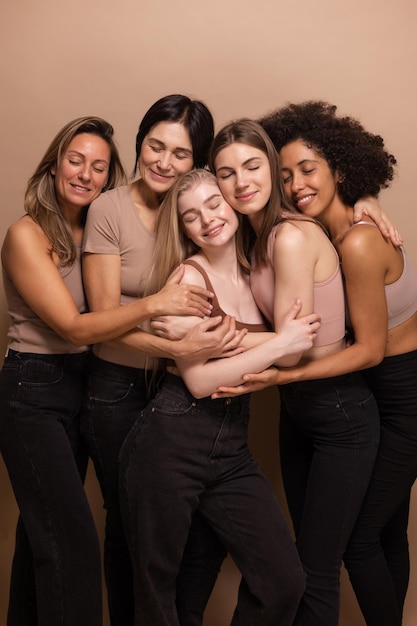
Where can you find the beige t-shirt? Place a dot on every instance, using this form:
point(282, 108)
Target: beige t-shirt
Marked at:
point(114, 227)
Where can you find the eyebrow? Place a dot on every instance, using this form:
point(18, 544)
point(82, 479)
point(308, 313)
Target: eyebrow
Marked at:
point(177, 148)
point(206, 201)
point(228, 167)
point(82, 156)
point(303, 162)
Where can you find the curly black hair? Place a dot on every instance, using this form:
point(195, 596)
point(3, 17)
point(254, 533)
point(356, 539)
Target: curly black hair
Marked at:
point(365, 167)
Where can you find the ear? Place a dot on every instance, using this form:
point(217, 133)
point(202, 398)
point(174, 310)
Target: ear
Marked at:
point(339, 177)
point(53, 170)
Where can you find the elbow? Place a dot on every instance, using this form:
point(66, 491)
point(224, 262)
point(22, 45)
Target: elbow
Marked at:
point(198, 392)
point(77, 340)
point(289, 361)
point(374, 357)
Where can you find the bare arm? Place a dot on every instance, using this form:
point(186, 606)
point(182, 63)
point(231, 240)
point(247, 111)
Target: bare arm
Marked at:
point(364, 269)
point(27, 258)
point(202, 378)
point(294, 265)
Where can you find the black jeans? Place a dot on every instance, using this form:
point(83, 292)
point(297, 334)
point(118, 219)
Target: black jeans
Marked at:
point(41, 403)
point(116, 395)
point(184, 454)
point(329, 437)
point(377, 558)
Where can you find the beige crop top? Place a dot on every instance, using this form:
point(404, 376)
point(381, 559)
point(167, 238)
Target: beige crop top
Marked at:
point(27, 332)
point(329, 300)
point(401, 296)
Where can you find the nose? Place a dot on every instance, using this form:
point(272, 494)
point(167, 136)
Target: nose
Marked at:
point(241, 180)
point(206, 216)
point(85, 172)
point(297, 183)
point(164, 159)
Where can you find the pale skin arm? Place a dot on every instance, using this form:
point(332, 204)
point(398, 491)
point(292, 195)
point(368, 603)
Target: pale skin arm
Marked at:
point(294, 277)
point(175, 327)
point(27, 259)
point(364, 270)
point(370, 206)
point(202, 378)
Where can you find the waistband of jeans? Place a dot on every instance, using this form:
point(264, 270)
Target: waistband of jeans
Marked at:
point(176, 382)
point(75, 357)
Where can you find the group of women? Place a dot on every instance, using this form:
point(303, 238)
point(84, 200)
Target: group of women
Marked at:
point(204, 283)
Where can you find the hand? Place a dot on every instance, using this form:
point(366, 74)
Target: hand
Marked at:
point(173, 327)
point(297, 334)
point(253, 382)
point(370, 206)
point(213, 338)
point(176, 299)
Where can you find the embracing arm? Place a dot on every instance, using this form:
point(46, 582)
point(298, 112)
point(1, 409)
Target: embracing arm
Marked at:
point(370, 206)
point(27, 258)
point(295, 335)
point(364, 270)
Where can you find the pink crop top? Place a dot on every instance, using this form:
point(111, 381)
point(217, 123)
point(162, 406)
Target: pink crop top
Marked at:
point(329, 300)
point(401, 296)
point(217, 310)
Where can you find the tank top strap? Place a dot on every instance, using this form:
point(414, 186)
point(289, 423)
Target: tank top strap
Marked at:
point(362, 222)
point(207, 280)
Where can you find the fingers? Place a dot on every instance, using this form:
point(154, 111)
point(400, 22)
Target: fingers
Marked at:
point(176, 275)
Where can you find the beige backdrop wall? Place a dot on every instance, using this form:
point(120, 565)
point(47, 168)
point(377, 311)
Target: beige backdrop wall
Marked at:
point(60, 60)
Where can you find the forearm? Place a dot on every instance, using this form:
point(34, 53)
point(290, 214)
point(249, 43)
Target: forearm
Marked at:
point(138, 340)
point(103, 326)
point(202, 379)
point(351, 359)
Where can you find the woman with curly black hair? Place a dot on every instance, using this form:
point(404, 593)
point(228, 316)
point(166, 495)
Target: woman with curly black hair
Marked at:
point(328, 162)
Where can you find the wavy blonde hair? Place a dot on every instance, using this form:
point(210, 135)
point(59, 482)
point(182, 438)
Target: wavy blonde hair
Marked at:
point(41, 201)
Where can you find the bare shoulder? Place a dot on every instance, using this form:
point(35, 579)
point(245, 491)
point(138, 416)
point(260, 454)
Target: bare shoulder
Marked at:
point(363, 240)
point(292, 234)
point(192, 276)
point(25, 229)
point(24, 238)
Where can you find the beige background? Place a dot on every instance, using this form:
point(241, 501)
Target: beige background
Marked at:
point(60, 60)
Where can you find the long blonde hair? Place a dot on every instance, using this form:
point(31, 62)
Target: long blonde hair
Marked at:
point(41, 201)
point(172, 245)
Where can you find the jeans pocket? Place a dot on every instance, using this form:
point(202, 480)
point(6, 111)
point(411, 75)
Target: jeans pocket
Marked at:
point(39, 373)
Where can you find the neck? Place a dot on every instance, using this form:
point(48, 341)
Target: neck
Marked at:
point(145, 196)
point(222, 261)
point(337, 219)
point(74, 217)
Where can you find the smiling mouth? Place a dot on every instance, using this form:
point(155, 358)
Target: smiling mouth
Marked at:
point(213, 231)
point(245, 197)
point(79, 188)
point(304, 200)
point(162, 176)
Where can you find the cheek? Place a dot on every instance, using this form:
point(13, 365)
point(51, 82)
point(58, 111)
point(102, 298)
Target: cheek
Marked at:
point(183, 167)
point(226, 189)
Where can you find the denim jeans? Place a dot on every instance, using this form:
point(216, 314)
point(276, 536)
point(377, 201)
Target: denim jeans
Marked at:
point(116, 395)
point(184, 454)
point(41, 403)
point(377, 558)
point(329, 437)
